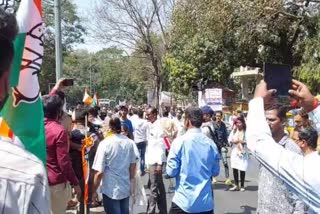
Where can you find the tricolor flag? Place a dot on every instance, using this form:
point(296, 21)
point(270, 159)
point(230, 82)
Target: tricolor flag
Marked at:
point(87, 143)
point(22, 114)
point(96, 100)
point(87, 99)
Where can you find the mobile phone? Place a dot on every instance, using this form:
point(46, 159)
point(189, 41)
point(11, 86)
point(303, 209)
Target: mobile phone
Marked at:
point(279, 77)
point(68, 82)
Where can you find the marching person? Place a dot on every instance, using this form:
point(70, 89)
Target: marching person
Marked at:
point(115, 164)
point(193, 160)
point(140, 126)
point(216, 131)
point(155, 158)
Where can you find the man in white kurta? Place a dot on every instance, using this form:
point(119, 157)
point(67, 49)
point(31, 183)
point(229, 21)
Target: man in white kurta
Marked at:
point(298, 172)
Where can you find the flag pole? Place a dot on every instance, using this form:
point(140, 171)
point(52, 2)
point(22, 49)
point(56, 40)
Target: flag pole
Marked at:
point(85, 176)
point(58, 40)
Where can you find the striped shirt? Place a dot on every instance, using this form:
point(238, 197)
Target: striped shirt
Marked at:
point(23, 182)
point(273, 194)
point(298, 172)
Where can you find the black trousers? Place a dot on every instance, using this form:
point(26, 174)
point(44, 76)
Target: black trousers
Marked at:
point(177, 210)
point(236, 177)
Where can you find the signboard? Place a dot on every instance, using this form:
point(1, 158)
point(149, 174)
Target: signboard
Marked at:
point(167, 99)
point(150, 97)
point(212, 97)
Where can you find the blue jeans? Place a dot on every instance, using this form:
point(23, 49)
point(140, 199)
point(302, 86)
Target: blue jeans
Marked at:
point(113, 206)
point(142, 150)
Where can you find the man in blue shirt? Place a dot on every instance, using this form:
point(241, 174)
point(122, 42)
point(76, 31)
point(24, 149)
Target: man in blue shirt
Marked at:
point(193, 159)
point(124, 118)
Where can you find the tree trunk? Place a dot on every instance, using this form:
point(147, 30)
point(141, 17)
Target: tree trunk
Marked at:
point(157, 75)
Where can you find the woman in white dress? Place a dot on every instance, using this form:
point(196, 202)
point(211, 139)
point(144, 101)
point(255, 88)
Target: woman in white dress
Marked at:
point(239, 153)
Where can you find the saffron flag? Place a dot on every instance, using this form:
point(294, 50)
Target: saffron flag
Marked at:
point(87, 99)
point(87, 143)
point(96, 100)
point(22, 114)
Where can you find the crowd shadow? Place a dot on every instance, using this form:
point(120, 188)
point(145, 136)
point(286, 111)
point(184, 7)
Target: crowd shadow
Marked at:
point(222, 186)
point(246, 210)
point(252, 188)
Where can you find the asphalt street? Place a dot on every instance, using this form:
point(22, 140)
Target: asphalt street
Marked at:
point(226, 202)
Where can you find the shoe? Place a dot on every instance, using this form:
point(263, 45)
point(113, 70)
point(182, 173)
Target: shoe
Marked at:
point(167, 177)
point(72, 204)
point(234, 188)
point(214, 180)
point(228, 182)
point(242, 189)
point(142, 174)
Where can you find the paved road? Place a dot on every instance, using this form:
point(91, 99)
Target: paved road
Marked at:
point(226, 202)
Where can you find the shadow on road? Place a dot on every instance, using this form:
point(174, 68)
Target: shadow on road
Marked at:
point(245, 210)
point(251, 188)
point(222, 186)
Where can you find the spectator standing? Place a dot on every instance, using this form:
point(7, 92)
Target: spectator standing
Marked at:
point(273, 195)
point(296, 171)
point(222, 140)
point(60, 172)
point(239, 154)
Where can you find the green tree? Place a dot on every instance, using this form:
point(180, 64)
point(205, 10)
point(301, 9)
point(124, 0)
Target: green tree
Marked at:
point(109, 73)
point(309, 71)
point(211, 38)
point(138, 26)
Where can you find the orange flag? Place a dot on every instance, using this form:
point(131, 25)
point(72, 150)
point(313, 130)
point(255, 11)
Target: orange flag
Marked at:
point(87, 99)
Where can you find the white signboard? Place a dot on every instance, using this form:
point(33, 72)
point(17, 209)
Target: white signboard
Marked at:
point(167, 99)
point(213, 98)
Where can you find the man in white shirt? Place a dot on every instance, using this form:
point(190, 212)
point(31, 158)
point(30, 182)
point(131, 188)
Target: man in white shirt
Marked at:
point(140, 135)
point(179, 122)
point(155, 157)
point(23, 179)
point(298, 172)
point(307, 140)
point(115, 166)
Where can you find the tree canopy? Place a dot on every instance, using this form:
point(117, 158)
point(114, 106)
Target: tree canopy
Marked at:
point(176, 45)
point(211, 38)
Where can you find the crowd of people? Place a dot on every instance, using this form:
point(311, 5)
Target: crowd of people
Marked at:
point(184, 144)
point(181, 144)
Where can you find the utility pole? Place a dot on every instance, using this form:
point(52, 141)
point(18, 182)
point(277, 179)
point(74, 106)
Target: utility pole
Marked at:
point(58, 40)
point(90, 67)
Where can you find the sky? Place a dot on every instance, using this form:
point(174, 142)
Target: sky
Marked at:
point(83, 8)
point(82, 4)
